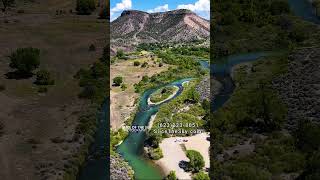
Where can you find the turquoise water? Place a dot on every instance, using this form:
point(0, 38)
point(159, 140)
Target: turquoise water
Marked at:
point(132, 147)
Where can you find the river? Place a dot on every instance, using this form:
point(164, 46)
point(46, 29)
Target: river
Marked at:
point(132, 147)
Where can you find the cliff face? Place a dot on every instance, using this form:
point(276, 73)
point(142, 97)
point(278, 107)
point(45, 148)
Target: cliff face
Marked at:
point(134, 27)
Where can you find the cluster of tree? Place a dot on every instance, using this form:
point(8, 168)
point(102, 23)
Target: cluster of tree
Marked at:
point(95, 80)
point(243, 26)
point(6, 4)
point(231, 11)
point(25, 61)
point(85, 7)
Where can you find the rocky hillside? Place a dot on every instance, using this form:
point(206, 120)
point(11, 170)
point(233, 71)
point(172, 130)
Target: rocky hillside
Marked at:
point(134, 27)
point(300, 87)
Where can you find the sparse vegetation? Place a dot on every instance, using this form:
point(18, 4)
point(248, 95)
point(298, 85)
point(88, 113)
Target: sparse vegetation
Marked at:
point(136, 63)
point(25, 60)
point(117, 81)
point(44, 78)
point(200, 176)
point(171, 176)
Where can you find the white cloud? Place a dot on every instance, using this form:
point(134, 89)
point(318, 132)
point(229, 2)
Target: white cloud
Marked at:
point(160, 9)
point(125, 4)
point(202, 7)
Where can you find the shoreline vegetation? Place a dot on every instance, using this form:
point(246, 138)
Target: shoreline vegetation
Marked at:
point(163, 95)
point(256, 134)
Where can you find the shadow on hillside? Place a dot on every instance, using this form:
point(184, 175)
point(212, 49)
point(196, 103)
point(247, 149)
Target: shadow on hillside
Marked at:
point(18, 75)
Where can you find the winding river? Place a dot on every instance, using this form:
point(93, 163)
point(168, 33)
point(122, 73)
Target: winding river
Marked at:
point(132, 148)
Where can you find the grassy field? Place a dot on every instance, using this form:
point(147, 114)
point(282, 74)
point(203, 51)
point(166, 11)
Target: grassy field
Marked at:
point(123, 102)
point(33, 122)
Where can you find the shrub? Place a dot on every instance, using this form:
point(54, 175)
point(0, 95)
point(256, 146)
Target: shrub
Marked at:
point(171, 176)
point(201, 176)
point(160, 64)
point(145, 64)
point(92, 47)
point(136, 63)
point(117, 81)
point(85, 7)
point(25, 60)
point(196, 162)
point(2, 87)
point(123, 87)
point(120, 54)
point(88, 91)
point(42, 89)
point(44, 78)
point(156, 154)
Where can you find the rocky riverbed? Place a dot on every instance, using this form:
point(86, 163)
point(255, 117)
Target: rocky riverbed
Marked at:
point(300, 87)
point(119, 169)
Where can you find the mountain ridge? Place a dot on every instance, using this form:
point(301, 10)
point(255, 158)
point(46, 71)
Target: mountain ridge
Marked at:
point(133, 27)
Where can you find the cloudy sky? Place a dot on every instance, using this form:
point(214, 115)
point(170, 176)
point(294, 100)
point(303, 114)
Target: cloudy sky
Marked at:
point(201, 7)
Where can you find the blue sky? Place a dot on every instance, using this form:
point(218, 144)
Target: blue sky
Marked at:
point(201, 7)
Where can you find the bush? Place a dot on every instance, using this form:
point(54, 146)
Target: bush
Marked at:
point(88, 91)
point(25, 60)
point(44, 78)
point(2, 87)
point(156, 154)
point(42, 89)
point(85, 7)
point(136, 63)
point(120, 54)
point(123, 87)
point(196, 162)
point(145, 64)
point(160, 64)
point(201, 176)
point(171, 176)
point(117, 81)
point(92, 47)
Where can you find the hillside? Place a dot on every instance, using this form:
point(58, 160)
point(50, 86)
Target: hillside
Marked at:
point(38, 138)
point(134, 27)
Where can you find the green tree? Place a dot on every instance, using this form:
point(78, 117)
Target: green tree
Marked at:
point(171, 176)
point(44, 78)
point(136, 63)
point(85, 7)
point(25, 60)
point(117, 81)
point(196, 162)
point(123, 87)
point(120, 53)
point(200, 176)
point(6, 4)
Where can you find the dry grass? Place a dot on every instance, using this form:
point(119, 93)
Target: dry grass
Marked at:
point(122, 102)
point(64, 43)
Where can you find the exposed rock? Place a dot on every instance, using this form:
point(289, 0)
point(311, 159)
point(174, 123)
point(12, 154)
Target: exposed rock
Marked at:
point(300, 87)
point(120, 169)
point(134, 27)
point(203, 89)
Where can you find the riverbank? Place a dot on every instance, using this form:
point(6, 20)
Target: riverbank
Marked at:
point(176, 89)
